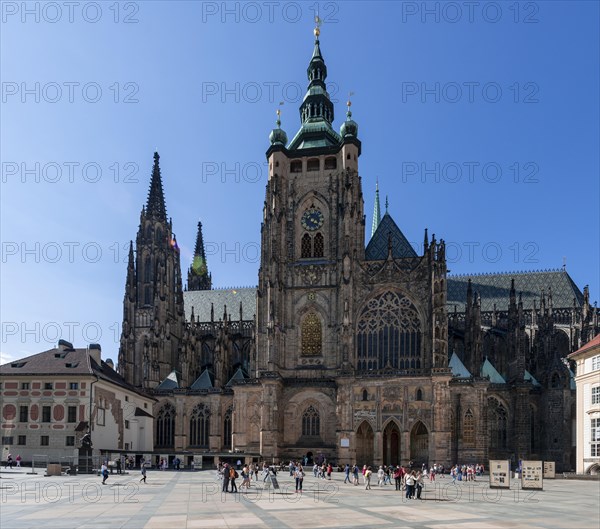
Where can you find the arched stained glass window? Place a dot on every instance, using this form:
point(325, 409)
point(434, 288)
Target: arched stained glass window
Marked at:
point(497, 424)
point(469, 428)
point(306, 249)
point(312, 335)
point(389, 334)
point(227, 427)
point(200, 426)
point(319, 247)
point(165, 426)
point(311, 422)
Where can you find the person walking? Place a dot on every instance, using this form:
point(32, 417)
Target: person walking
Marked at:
point(18, 460)
point(355, 472)
point(299, 475)
point(225, 473)
point(104, 472)
point(380, 476)
point(410, 484)
point(368, 473)
point(347, 471)
point(143, 471)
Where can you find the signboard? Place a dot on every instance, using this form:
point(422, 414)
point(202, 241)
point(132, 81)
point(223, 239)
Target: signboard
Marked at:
point(197, 462)
point(272, 482)
point(532, 476)
point(499, 474)
point(549, 470)
point(344, 443)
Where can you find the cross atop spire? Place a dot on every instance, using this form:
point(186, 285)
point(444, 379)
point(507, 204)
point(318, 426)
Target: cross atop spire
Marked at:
point(156, 199)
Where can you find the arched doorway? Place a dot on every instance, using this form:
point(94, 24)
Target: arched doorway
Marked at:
point(419, 444)
point(391, 444)
point(364, 444)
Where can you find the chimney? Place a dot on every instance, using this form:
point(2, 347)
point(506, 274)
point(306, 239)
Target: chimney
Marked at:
point(95, 351)
point(110, 364)
point(63, 345)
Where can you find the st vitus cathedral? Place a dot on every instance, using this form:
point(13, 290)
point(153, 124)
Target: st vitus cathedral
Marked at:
point(351, 353)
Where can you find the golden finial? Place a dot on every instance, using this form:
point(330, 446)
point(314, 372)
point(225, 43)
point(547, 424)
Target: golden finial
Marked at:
point(318, 22)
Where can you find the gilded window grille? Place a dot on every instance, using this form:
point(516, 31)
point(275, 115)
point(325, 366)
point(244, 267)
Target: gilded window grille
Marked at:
point(312, 335)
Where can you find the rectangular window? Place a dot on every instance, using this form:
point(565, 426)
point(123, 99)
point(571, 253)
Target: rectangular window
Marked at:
point(126, 446)
point(22, 440)
point(45, 440)
point(100, 417)
point(127, 424)
point(24, 385)
point(46, 410)
point(595, 437)
point(23, 413)
point(126, 398)
point(596, 395)
point(7, 440)
point(74, 385)
point(72, 414)
point(48, 385)
point(596, 362)
point(70, 441)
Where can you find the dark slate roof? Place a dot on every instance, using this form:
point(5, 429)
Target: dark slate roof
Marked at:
point(203, 381)
point(238, 375)
point(377, 249)
point(495, 288)
point(66, 362)
point(202, 299)
point(142, 413)
point(171, 382)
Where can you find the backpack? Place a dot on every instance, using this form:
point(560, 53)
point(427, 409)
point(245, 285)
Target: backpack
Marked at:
point(235, 474)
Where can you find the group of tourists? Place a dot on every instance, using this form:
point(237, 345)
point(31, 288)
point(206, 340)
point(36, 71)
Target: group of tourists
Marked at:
point(466, 472)
point(9, 461)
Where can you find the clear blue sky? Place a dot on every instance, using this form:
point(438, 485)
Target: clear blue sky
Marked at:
point(513, 90)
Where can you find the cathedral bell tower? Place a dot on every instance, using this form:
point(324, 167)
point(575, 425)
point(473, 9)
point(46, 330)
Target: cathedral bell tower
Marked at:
point(153, 315)
point(312, 236)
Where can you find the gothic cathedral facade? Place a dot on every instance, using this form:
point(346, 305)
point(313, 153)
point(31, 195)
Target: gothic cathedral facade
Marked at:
point(367, 354)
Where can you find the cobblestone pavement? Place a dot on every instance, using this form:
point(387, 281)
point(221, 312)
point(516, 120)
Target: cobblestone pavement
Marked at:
point(194, 500)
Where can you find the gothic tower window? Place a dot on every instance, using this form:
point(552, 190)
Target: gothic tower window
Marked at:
point(419, 395)
point(311, 422)
point(389, 334)
point(365, 395)
point(312, 335)
point(147, 269)
point(497, 424)
point(312, 164)
point(469, 428)
point(165, 426)
point(306, 248)
point(227, 429)
point(319, 245)
point(200, 426)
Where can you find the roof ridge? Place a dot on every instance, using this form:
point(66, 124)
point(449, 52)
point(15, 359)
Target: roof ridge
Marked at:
point(518, 272)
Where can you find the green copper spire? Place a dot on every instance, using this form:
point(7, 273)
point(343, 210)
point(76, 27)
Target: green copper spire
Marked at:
point(316, 110)
point(376, 211)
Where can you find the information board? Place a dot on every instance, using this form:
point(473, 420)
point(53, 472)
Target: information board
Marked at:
point(272, 482)
point(499, 474)
point(532, 475)
point(344, 442)
point(197, 462)
point(549, 470)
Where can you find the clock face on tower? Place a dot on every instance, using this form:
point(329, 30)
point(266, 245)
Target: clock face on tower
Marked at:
point(312, 219)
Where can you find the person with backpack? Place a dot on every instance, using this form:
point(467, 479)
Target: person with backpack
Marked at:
point(368, 473)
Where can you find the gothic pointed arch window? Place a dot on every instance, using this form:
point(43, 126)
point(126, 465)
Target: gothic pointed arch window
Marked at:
point(497, 424)
point(419, 394)
point(389, 334)
point(311, 422)
point(227, 428)
point(147, 269)
point(312, 335)
point(200, 426)
point(319, 245)
point(165, 426)
point(306, 246)
point(468, 428)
